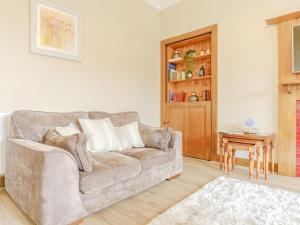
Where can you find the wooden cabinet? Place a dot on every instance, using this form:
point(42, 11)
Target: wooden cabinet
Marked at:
point(196, 120)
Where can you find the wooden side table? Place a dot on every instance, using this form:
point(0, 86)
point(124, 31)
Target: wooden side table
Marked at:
point(253, 143)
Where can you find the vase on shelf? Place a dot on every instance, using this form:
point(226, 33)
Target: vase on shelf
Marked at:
point(193, 97)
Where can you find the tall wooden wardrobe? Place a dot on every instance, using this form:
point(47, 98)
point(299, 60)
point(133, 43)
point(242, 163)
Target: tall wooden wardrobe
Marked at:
point(189, 67)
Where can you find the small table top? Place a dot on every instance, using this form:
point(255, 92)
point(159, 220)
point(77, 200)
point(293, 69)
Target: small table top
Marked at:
point(246, 135)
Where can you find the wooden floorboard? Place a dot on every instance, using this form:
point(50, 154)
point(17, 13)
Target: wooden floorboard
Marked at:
point(141, 208)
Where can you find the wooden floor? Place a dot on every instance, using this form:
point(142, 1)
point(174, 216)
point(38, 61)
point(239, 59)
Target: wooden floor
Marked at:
point(141, 208)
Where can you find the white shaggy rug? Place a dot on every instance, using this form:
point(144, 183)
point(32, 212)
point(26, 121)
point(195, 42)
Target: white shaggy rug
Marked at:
point(227, 201)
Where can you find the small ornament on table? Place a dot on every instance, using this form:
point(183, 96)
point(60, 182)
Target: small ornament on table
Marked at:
point(250, 127)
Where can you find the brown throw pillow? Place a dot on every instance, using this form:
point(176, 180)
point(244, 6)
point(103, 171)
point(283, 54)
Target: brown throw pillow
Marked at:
point(76, 144)
point(157, 138)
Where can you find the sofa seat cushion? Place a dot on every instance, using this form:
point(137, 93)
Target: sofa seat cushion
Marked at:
point(149, 157)
point(108, 168)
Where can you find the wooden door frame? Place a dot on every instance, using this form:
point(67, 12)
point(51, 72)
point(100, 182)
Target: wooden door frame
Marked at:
point(214, 80)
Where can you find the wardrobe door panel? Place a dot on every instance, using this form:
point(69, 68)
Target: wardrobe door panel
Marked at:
point(199, 131)
point(176, 121)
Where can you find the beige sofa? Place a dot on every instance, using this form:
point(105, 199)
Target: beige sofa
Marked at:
point(46, 183)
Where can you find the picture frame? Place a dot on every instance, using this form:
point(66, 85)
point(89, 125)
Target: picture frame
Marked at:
point(55, 31)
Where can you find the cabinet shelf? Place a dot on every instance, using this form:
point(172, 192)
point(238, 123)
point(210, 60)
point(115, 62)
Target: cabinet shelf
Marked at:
point(189, 80)
point(199, 103)
point(197, 57)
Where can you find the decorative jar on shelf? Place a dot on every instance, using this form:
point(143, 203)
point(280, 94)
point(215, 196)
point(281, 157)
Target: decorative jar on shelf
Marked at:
point(193, 97)
point(176, 54)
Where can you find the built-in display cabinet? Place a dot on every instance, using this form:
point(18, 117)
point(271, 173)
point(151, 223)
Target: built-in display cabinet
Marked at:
point(189, 90)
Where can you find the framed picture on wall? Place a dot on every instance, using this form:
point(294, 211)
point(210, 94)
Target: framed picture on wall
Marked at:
point(55, 30)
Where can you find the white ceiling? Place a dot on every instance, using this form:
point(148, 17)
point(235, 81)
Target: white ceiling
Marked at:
point(162, 4)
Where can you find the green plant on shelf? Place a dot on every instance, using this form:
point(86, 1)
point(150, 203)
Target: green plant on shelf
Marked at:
point(189, 62)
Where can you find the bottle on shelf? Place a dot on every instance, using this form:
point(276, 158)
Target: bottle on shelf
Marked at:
point(202, 71)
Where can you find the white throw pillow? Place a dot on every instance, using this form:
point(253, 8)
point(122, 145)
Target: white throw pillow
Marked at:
point(101, 135)
point(68, 130)
point(129, 136)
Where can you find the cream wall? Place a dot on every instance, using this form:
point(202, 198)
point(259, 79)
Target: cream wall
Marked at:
point(119, 71)
point(120, 61)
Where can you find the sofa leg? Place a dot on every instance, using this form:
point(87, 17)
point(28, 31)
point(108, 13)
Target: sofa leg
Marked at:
point(175, 176)
point(77, 222)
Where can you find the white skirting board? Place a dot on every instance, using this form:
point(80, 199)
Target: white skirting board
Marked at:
point(4, 123)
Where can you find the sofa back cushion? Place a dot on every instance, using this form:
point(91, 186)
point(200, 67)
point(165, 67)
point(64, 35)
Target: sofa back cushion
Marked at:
point(33, 125)
point(101, 135)
point(118, 119)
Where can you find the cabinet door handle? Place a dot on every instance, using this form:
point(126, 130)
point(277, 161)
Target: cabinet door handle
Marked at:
point(166, 122)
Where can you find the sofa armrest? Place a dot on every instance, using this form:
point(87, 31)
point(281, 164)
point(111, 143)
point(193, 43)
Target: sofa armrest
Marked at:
point(44, 181)
point(176, 143)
